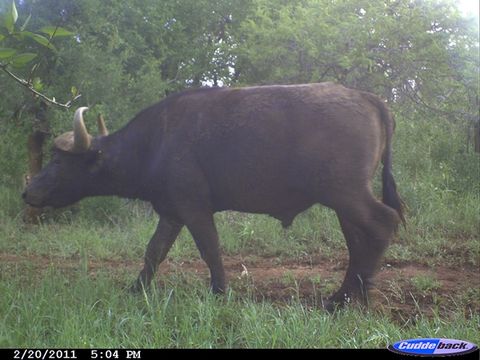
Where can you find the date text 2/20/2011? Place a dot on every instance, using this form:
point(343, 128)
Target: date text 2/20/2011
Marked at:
point(73, 354)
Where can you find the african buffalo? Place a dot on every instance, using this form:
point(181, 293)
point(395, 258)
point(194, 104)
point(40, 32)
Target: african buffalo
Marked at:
point(273, 150)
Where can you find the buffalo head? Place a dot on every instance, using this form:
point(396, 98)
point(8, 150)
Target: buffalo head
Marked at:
point(75, 168)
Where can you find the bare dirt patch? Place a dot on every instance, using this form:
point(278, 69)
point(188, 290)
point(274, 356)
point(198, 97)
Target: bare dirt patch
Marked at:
point(402, 289)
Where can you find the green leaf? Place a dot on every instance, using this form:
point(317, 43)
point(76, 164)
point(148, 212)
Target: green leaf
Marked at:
point(42, 40)
point(2, 37)
point(54, 31)
point(21, 60)
point(11, 18)
point(37, 84)
point(345, 62)
point(27, 20)
point(74, 91)
point(14, 12)
point(7, 53)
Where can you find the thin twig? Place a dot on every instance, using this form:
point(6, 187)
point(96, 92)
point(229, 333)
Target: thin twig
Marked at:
point(27, 85)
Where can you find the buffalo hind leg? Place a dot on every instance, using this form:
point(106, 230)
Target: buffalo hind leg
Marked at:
point(367, 228)
point(157, 249)
point(203, 230)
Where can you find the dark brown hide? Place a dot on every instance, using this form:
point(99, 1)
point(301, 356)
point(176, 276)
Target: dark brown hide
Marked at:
point(273, 150)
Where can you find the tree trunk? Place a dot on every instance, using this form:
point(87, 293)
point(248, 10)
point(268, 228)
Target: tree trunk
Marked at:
point(35, 155)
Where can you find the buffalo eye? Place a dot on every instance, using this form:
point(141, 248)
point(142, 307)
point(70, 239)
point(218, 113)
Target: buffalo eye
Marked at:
point(95, 160)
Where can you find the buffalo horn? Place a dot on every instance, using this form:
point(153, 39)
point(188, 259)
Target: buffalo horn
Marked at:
point(102, 129)
point(81, 138)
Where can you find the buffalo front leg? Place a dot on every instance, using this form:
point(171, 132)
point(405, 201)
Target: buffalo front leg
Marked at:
point(204, 232)
point(157, 249)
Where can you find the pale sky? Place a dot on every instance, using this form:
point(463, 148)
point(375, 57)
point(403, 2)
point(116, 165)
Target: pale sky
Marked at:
point(469, 7)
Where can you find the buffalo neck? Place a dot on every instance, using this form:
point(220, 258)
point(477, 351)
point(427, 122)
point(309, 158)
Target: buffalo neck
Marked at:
point(124, 157)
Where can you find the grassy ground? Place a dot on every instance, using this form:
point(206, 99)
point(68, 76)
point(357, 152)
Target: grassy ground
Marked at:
point(62, 283)
point(81, 302)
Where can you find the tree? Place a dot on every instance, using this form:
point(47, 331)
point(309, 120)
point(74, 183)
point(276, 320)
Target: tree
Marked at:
point(23, 48)
point(421, 56)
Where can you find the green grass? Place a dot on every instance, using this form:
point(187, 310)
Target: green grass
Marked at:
point(76, 310)
point(425, 284)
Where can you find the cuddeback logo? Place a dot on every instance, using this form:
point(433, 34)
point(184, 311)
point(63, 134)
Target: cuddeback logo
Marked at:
point(433, 347)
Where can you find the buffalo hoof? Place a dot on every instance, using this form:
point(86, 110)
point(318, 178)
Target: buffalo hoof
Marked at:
point(333, 304)
point(137, 287)
point(220, 291)
point(330, 306)
point(342, 299)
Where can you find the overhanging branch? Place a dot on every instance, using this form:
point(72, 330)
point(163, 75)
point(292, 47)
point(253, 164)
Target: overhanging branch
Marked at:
point(29, 86)
point(416, 98)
